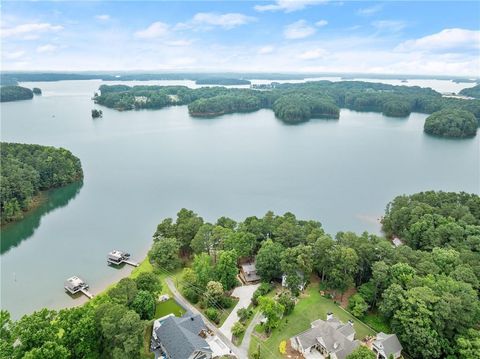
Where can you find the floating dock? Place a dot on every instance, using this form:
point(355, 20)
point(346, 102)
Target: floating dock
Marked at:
point(116, 257)
point(74, 285)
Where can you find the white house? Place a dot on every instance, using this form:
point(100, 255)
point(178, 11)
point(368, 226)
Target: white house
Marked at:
point(386, 345)
point(326, 337)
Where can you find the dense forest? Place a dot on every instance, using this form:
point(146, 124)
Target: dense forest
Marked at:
point(27, 169)
point(224, 81)
point(425, 291)
point(15, 93)
point(471, 91)
point(451, 122)
point(292, 103)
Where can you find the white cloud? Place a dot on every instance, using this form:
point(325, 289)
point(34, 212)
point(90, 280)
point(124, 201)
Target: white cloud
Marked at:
point(266, 50)
point(156, 29)
point(369, 11)
point(321, 23)
point(389, 25)
point(103, 17)
point(14, 55)
point(46, 48)
point(227, 21)
point(445, 40)
point(178, 43)
point(298, 30)
point(27, 30)
point(288, 5)
point(313, 54)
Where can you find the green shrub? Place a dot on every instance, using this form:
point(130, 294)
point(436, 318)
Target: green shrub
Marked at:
point(213, 315)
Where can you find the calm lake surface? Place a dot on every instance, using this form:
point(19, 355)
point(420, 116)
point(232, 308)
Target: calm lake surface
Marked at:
point(143, 166)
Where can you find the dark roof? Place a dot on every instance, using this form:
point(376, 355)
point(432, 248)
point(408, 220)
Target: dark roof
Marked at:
point(180, 336)
point(389, 343)
point(250, 272)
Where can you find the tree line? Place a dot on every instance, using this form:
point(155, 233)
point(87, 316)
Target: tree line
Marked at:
point(28, 169)
point(224, 81)
point(471, 91)
point(112, 325)
point(15, 93)
point(291, 103)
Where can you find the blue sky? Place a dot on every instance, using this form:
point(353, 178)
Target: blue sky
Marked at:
point(290, 36)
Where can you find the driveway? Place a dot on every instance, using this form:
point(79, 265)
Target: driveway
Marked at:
point(248, 333)
point(245, 294)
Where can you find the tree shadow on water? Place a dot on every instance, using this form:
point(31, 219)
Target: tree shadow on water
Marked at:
point(14, 233)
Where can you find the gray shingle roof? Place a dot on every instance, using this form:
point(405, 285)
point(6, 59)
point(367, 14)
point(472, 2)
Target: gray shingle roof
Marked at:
point(180, 336)
point(332, 334)
point(389, 343)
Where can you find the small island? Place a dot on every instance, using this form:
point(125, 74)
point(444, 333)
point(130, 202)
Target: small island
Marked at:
point(36, 91)
point(29, 169)
point(97, 113)
point(222, 81)
point(15, 93)
point(453, 123)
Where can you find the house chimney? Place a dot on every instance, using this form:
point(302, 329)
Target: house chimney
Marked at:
point(350, 322)
point(329, 316)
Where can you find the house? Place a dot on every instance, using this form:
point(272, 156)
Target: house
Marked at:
point(117, 257)
point(181, 338)
point(328, 337)
point(75, 284)
point(387, 345)
point(397, 242)
point(303, 282)
point(248, 273)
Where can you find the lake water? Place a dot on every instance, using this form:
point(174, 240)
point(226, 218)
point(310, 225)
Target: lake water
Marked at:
point(142, 166)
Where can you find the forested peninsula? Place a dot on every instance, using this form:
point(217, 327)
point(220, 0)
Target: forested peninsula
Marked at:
point(471, 91)
point(28, 169)
point(427, 286)
point(15, 93)
point(451, 122)
point(291, 103)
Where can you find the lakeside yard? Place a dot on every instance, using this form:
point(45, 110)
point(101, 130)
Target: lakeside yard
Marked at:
point(311, 306)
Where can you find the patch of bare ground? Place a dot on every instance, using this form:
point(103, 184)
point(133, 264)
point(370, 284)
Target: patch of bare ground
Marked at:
point(292, 353)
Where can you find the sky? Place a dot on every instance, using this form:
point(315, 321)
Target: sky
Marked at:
point(391, 37)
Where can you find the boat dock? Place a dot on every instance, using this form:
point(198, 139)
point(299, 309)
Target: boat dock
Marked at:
point(116, 257)
point(86, 293)
point(74, 285)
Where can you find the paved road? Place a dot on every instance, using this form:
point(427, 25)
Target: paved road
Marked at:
point(240, 353)
point(248, 332)
point(244, 294)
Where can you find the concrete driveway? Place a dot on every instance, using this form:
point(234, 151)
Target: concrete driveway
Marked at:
point(245, 294)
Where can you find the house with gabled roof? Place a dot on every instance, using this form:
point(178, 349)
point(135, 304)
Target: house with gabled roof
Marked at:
point(181, 338)
point(328, 337)
point(387, 346)
point(248, 273)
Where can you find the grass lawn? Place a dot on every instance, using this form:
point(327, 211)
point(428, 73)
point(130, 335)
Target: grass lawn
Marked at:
point(168, 307)
point(310, 307)
point(145, 352)
point(377, 322)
